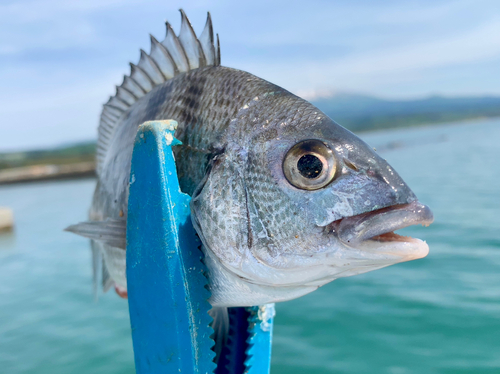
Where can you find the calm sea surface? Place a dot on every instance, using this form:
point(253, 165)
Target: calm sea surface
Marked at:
point(436, 315)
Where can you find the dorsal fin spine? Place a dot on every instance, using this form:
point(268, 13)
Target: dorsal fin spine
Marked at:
point(128, 91)
point(106, 134)
point(153, 46)
point(176, 47)
point(217, 59)
point(114, 107)
point(124, 93)
point(147, 64)
point(174, 55)
point(108, 117)
point(104, 130)
point(131, 85)
point(136, 73)
point(119, 103)
point(190, 43)
point(202, 60)
point(112, 112)
point(123, 101)
point(206, 41)
point(136, 84)
point(165, 52)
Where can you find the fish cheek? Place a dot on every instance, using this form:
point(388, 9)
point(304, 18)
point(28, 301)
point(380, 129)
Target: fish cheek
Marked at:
point(280, 225)
point(220, 213)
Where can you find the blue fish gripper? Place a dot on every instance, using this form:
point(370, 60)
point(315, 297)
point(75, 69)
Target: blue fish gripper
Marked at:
point(166, 278)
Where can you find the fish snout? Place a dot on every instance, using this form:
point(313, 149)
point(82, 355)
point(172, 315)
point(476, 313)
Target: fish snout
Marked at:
point(380, 224)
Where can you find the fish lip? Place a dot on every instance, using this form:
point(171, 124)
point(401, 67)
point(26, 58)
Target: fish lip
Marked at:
point(379, 225)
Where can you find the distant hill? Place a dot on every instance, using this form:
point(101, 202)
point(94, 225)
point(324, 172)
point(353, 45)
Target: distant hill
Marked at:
point(363, 113)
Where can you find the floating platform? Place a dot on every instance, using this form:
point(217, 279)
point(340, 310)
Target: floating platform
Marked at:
point(6, 219)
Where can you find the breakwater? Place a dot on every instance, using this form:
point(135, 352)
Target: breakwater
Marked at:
point(47, 172)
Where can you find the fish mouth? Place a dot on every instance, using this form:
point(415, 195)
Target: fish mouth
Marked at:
point(374, 231)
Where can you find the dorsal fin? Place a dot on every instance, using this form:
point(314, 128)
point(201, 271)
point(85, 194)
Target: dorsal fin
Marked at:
point(175, 54)
point(190, 44)
point(207, 42)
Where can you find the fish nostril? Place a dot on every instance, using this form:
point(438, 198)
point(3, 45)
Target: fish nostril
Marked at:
point(350, 165)
point(392, 194)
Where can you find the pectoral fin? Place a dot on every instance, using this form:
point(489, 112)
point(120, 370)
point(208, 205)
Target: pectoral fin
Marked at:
point(110, 231)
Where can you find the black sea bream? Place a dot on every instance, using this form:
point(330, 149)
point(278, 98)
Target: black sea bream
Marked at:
point(284, 199)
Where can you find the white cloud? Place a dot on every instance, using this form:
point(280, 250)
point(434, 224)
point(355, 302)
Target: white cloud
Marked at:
point(51, 24)
point(476, 45)
point(27, 12)
point(362, 71)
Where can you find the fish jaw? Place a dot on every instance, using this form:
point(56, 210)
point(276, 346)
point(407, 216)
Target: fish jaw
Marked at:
point(369, 243)
point(365, 242)
point(373, 232)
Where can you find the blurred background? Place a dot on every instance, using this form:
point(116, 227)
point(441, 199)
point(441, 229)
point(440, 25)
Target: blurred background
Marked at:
point(417, 80)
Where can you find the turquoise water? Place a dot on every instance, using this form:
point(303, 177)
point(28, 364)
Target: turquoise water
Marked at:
point(436, 315)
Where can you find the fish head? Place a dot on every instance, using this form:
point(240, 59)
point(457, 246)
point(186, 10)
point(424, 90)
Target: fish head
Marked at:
point(296, 200)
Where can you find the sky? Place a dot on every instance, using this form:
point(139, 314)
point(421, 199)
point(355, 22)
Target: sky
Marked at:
point(60, 60)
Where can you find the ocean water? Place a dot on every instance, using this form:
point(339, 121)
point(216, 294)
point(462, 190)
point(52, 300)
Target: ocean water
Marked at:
point(440, 314)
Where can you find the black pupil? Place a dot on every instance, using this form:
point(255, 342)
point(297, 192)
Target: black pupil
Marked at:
point(310, 166)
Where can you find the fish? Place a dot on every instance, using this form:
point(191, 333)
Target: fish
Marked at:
point(284, 199)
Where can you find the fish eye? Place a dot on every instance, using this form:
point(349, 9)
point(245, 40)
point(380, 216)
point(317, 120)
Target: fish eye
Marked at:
point(309, 165)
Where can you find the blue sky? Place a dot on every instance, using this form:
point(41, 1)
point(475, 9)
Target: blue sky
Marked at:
point(60, 59)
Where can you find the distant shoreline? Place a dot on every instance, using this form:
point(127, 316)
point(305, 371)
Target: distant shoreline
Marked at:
point(426, 124)
point(37, 173)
